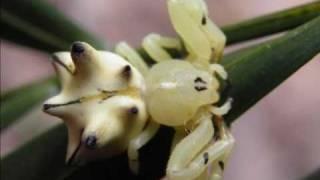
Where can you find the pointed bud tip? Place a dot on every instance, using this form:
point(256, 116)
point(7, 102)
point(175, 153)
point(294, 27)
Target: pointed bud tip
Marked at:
point(134, 110)
point(91, 142)
point(77, 47)
point(45, 107)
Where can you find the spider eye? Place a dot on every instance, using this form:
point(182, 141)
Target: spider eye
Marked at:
point(91, 142)
point(77, 48)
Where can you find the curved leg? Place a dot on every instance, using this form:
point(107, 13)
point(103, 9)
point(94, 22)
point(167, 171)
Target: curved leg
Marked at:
point(136, 143)
point(222, 110)
point(190, 158)
point(219, 69)
point(219, 165)
point(124, 50)
point(178, 136)
point(154, 45)
point(202, 38)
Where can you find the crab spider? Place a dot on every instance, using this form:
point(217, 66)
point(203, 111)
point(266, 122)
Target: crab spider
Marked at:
point(183, 94)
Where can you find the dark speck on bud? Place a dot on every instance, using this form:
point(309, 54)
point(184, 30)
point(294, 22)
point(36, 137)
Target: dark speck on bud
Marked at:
point(126, 71)
point(45, 107)
point(134, 110)
point(91, 142)
point(77, 47)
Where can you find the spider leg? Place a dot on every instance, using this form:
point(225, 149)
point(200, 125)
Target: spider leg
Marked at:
point(202, 38)
point(218, 166)
point(178, 136)
point(191, 157)
point(219, 69)
point(139, 141)
point(132, 56)
point(222, 110)
point(155, 45)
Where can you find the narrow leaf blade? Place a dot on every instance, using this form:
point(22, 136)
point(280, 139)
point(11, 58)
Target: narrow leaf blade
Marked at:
point(271, 23)
point(17, 102)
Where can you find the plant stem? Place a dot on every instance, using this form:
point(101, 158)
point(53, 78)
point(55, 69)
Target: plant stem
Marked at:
point(272, 23)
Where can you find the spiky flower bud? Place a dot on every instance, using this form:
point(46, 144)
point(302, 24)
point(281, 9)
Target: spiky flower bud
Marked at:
point(101, 101)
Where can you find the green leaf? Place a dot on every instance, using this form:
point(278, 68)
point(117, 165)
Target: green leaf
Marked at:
point(49, 148)
point(15, 103)
point(37, 24)
point(253, 72)
point(272, 23)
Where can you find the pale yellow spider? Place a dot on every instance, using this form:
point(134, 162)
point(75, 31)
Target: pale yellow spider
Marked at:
point(106, 100)
point(182, 94)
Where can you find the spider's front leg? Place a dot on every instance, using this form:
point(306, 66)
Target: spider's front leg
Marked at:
point(156, 45)
point(192, 155)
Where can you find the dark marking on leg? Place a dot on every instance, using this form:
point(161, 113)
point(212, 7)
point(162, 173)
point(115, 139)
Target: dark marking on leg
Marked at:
point(204, 20)
point(221, 164)
point(206, 158)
